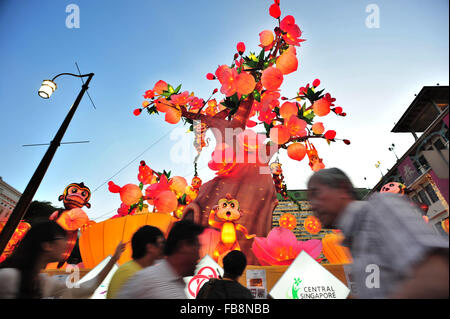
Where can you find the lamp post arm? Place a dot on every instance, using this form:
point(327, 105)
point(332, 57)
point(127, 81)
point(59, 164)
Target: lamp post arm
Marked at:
point(24, 201)
point(78, 76)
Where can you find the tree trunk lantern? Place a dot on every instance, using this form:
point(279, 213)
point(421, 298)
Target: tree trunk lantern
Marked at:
point(241, 158)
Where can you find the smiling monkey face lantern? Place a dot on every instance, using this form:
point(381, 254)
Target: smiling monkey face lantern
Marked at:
point(72, 218)
point(228, 212)
point(76, 196)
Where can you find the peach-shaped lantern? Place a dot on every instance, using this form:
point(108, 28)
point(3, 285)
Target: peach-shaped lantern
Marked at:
point(272, 78)
point(321, 107)
point(318, 128)
point(312, 225)
point(279, 134)
point(288, 109)
point(296, 151)
point(178, 184)
point(129, 194)
point(287, 62)
point(288, 221)
point(245, 83)
point(72, 219)
point(165, 202)
point(160, 86)
point(173, 115)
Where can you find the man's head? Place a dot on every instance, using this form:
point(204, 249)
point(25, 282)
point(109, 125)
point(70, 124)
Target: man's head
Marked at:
point(182, 246)
point(148, 242)
point(234, 264)
point(329, 193)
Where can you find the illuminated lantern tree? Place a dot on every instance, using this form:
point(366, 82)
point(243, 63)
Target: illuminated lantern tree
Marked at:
point(251, 89)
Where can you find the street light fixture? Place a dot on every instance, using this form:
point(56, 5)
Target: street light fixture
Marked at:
point(391, 148)
point(46, 90)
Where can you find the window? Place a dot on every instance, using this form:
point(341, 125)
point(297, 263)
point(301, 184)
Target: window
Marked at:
point(421, 162)
point(439, 145)
point(431, 193)
point(423, 198)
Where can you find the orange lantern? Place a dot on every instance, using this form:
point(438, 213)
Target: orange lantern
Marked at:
point(165, 202)
point(333, 251)
point(279, 134)
point(444, 225)
point(101, 239)
point(312, 225)
point(288, 221)
point(296, 151)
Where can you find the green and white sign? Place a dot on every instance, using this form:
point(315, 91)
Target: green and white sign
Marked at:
point(307, 279)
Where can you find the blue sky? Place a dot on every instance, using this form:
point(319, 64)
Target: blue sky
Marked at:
point(129, 45)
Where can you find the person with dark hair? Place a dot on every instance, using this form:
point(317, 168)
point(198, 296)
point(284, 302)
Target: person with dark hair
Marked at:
point(147, 245)
point(395, 253)
point(164, 280)
point(44, 243)
point(234, 264)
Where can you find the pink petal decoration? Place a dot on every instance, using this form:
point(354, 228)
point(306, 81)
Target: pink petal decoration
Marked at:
point(281, 247)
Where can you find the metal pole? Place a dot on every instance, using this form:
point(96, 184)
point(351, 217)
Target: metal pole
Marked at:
point(24, 202)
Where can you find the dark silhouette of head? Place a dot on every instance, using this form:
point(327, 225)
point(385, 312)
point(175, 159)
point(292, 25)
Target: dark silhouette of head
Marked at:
point(234, 264)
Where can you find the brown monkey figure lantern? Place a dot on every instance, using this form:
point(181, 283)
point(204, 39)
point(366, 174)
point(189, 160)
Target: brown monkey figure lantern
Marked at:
point(72, 218)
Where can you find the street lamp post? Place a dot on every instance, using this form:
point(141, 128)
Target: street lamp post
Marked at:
point(46, 90)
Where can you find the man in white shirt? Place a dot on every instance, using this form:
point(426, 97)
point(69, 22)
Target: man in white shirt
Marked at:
point(165, 279)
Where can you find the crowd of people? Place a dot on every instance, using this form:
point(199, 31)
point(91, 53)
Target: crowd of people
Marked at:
point(384, 231)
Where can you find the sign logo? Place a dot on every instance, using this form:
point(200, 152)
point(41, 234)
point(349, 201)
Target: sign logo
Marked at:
point(296, 288)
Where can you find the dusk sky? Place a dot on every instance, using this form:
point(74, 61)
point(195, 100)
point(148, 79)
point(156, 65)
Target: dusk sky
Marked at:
point(372, 72)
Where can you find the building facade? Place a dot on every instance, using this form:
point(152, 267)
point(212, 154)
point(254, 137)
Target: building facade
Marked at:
point(9, 196)
point(424, 168)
